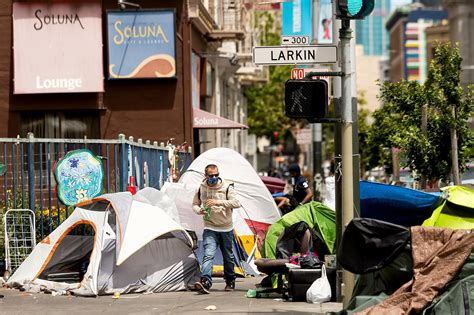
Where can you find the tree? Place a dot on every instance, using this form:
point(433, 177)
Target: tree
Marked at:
point(265, 102)
point(397, 121)
point(398, 124)
point(363, 130)
point(449, 101)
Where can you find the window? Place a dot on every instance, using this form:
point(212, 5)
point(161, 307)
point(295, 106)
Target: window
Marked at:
point(65, 124)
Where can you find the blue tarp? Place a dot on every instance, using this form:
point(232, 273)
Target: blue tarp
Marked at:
point(394, 204)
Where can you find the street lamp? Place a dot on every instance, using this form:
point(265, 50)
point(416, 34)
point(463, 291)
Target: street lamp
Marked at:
point(123, 4)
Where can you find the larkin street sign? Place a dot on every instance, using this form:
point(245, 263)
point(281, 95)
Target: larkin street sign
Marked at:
point(294, 55)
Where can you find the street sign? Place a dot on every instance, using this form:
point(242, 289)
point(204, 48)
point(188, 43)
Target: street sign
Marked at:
point(294, 40)
point(304, 136)
point(306, 99)
point(297, 74)
point(294, 55)
point(300, 73)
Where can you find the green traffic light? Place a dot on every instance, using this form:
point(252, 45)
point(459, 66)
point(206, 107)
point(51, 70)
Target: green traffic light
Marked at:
point(355, 9)
point(354, 6)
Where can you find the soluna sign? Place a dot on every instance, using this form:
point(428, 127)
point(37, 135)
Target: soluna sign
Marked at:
point(55, 19)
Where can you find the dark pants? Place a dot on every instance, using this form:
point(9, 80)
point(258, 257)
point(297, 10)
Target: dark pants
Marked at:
point(211, 240)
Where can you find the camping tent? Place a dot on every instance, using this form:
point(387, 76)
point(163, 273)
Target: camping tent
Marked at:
point(413, 265)
point(394, 204)
point(274, 184)
point(114, 243)
point(258, 209)
point(438, 256)
point(456, 210)
point(320, 218)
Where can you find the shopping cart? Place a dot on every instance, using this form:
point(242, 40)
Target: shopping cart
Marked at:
point(20, 237)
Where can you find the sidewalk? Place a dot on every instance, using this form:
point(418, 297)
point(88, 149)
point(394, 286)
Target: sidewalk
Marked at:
point(186, 302)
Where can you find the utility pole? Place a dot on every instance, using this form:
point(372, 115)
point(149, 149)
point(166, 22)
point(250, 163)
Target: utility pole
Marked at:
point(345, 35)
point(317, 128)
point(337, 158)
point(347, 202)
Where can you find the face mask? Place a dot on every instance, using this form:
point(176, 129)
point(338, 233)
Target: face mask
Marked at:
point(211, 181)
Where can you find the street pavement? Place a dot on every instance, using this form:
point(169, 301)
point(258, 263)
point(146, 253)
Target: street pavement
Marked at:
point(185, 302)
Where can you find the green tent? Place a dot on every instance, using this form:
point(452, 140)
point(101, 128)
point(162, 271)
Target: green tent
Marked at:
point(456, 211)
point(321, 219)
point(458, 297)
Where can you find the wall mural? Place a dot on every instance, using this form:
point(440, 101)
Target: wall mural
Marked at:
point(79, 177)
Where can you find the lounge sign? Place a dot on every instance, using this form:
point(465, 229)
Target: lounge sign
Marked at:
point(141, 44)
point(57, 47)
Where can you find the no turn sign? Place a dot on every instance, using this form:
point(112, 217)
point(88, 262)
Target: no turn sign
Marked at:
point(300, 73)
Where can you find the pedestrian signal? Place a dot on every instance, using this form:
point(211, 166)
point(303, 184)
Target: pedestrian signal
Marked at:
point(306, 99)
point(354, 9)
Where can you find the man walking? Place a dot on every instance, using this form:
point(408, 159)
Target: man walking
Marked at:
point(215, 200)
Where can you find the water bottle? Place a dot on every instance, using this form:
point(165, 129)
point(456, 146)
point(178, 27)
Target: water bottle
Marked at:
point(207, 213)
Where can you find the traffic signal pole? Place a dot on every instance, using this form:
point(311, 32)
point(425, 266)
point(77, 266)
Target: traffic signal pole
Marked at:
point(317, 128)
point(345, 35)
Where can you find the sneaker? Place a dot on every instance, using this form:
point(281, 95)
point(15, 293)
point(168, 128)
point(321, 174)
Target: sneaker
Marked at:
point(230, 286)
point(202, 286)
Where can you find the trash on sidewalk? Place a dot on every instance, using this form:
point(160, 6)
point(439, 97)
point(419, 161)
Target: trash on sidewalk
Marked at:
point(60, 292)
point(32, 288)
point(116, 295)
point(211, 308)
point(251, 293)
point(25, 294)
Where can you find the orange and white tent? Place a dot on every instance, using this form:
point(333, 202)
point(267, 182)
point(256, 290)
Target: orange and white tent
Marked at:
point(115, 243)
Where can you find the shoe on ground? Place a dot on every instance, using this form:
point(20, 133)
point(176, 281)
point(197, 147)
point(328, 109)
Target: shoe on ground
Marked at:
point(230, 286)
point(202, 286)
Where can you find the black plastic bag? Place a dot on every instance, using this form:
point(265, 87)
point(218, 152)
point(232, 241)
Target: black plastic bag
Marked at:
point(309, 262)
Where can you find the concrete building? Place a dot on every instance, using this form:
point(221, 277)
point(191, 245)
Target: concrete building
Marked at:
point(371, 33)
point(384, 69)
point(368, 72)
point(435, 34)
point(430, 3)
point(461, 26)
point(407, 27)
point(204, 39)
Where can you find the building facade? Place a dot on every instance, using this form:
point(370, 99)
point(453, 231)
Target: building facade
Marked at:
point(434, 35)
point(406, 26)
point(371, 33)
point(461, 26)
point(368, 72)
point(159, 97)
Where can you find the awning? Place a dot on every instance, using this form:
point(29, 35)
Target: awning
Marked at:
point(206, 120)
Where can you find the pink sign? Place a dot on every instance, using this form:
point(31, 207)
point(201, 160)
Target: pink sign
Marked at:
point(57, 47)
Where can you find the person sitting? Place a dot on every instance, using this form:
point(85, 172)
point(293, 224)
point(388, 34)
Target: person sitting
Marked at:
point(301, 192)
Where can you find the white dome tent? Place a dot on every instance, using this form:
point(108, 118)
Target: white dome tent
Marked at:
point(258, 210)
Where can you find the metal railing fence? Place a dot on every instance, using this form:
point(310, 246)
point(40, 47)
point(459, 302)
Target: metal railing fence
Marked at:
point(29, 180)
